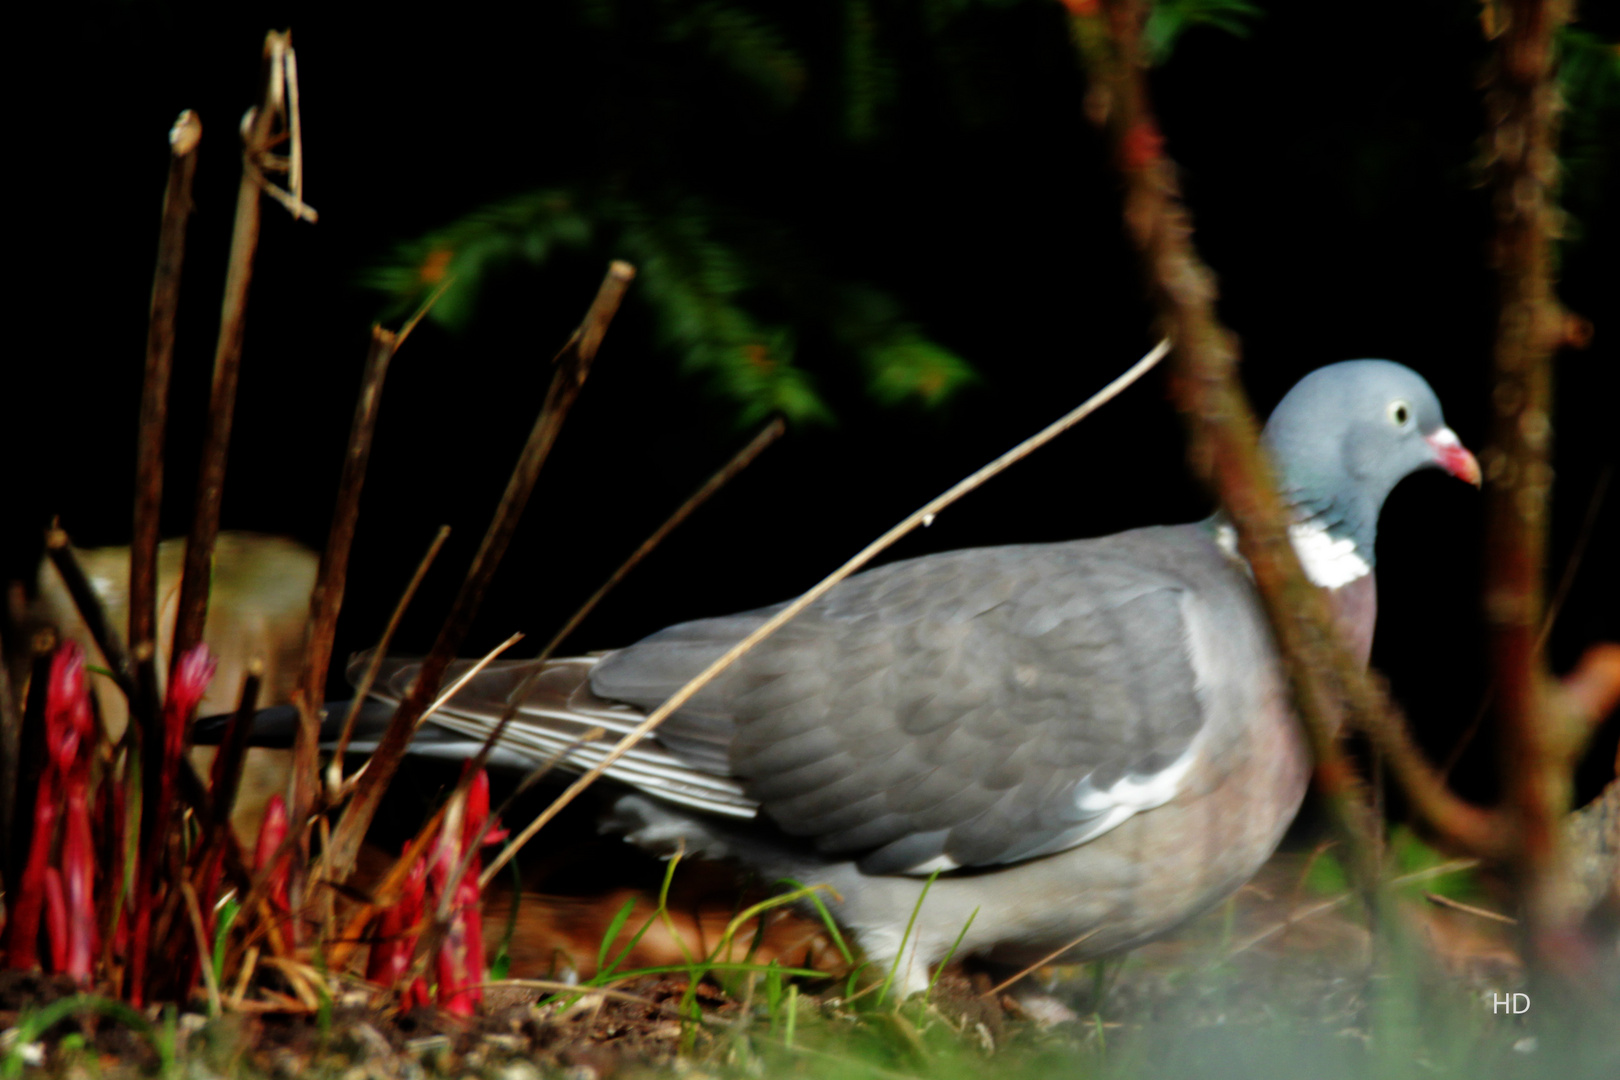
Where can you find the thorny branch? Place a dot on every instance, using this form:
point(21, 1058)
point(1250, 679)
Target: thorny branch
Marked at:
point(1542, 727)
point(1226, 454)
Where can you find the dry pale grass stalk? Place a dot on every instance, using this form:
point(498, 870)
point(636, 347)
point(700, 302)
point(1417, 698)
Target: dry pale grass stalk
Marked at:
point(923, 515)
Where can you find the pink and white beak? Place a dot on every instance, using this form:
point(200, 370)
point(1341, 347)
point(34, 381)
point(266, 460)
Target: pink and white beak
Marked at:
point(1451, 455)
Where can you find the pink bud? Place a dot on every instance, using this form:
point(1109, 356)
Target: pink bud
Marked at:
point(272, 834)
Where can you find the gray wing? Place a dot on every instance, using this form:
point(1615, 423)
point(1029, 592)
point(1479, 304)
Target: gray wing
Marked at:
point(959, 710)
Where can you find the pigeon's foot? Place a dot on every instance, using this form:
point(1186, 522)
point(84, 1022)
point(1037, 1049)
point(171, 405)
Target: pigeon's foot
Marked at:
point(1039, 1005)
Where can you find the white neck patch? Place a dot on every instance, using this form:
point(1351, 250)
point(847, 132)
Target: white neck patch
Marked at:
point(1329, 563)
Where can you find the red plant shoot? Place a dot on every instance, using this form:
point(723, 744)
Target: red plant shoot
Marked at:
point(272, 833)
point(394, 936)
point(191, 677)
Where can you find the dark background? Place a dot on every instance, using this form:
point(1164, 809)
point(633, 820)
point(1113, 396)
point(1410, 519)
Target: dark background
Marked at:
point(1330, 160)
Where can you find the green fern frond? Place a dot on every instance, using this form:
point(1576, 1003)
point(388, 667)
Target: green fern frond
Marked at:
point(749, 46)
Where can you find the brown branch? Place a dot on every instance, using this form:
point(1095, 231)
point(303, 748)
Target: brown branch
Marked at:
point(227, 773)
point(573, 365)
point(1538, 734)
point(259, 134)
point(154, 415)
point(102, 632)
point(363, 687)
point(326, 600)
point(1225, 453)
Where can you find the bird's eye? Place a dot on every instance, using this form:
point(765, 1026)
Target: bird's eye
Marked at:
point(1400, 413)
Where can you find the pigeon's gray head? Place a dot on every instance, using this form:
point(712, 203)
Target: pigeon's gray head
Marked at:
point(1346, 434)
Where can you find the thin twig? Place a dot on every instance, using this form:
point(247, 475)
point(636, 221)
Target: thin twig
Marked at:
point(194, 911)
point(926, 513)
point(1042, 962)
point(326, 599)
point(363, 688)
point(258, 134)
point(573, 364)
point(514, 700)
point(143, 549)
point(744, 457)
point(227, 772)
point(1458, 905)
point(102, 632)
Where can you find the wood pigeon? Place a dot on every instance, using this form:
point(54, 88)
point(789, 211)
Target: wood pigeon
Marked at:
point(1087, 742)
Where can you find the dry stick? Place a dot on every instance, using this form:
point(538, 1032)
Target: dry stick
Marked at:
point(258, 133)
point(573, 364)
point(926, 513)
point(1538, 735)
point(227, 778)
point(102, 632)
point(1470, 909)
point(204, 954)
point(374, 665)
point(1042, 962)
point(1225, 453)
point(154, 415)
point(514, 701)
point(326, 600)
point(744, 457)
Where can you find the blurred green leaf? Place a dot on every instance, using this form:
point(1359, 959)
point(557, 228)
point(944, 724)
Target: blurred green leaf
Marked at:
point(1169, 19)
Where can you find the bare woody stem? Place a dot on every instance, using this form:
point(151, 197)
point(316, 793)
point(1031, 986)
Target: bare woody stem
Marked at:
point(143, 548)
point(1225, 454)
point(573, 365)
point(1540, 736)
point(326, 601)
point(259, 134)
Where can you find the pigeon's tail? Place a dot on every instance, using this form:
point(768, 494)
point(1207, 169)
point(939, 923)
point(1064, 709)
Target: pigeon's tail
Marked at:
point(560, 721)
